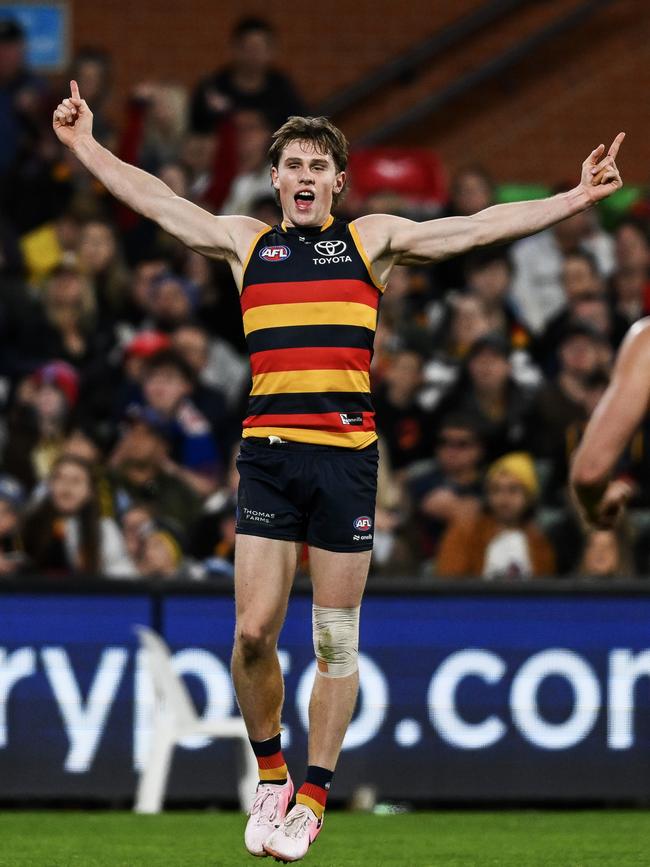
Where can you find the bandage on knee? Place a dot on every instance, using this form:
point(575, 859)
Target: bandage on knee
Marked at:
point(336, 640)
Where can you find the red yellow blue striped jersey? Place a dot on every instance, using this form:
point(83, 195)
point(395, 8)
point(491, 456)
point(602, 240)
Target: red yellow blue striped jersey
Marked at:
point(310, 305)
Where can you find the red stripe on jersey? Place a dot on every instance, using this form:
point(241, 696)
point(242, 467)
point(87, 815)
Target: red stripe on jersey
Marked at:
point(327, 421)
point(307, 291)
point(311, 358)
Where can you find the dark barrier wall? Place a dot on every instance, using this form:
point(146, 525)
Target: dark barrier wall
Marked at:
point(472, 696)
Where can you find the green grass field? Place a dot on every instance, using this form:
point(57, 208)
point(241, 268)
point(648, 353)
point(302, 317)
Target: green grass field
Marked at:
point(445, 839)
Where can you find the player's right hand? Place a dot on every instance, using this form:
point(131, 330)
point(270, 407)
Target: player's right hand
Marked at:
point(72, 118)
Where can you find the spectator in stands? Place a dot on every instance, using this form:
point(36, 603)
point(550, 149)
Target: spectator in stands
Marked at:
point(608, 554)
point(155, 125)
point(12, 501)
point(136, 523)
point(539, 263)
point(140, 473)
point(585, 302)
point(448, 487)
point(194, 457)
point(101, 261)
point(172, 302)
point(404, 424)
point(488, 277)
point(250, 81)
point(472, 190)
point(502, 541)
point(23, 98)
point(629, 285)
point(561, 401)
point(39, 421)
point(92, 69)
point(253, 179)
point(65, 324)
point(65, 533)
point(163, 556)
point(488, 393)
point(219, 374)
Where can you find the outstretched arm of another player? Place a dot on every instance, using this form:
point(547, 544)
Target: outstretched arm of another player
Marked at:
point(618, 414)
point(394, 240)
point(144, 193)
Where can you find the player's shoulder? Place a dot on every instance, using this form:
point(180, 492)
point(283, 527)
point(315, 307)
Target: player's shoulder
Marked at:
point(635, 348)
point(244, 231)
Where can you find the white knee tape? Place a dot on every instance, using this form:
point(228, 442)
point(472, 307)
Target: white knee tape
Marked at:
point(336, 640)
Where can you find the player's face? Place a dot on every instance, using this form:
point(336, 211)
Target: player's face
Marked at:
point(306, 181)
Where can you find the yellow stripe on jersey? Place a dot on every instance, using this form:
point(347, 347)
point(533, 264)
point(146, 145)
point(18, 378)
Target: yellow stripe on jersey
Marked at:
point(251, 250)
point(297, 381)
point(352, 440)
point(310, 313)
point(366, 261)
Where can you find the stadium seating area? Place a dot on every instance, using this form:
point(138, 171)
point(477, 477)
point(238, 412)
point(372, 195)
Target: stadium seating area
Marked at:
point(123, 374)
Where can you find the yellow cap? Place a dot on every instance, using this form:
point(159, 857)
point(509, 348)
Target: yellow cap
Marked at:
point(520, 466)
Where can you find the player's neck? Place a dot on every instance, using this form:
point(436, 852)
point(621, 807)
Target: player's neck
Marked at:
point(311, 229)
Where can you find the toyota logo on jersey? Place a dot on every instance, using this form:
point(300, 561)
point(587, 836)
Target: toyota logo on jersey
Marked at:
point(275, 254)
point(330, 248)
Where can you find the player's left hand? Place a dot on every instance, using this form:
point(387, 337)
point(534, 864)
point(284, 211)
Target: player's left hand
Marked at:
point(600, 175)
point(612, 504)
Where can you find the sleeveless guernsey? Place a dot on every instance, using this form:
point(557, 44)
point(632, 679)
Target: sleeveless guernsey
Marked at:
point(309, 305)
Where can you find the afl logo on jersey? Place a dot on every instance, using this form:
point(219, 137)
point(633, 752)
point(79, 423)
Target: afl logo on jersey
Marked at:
point(363, 523)
point(275, 254)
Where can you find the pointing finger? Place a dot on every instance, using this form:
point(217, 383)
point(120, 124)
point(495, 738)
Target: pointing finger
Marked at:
point(615, 145)
point(74, 90)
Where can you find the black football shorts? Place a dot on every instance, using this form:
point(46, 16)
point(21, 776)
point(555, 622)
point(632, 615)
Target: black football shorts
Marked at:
point(300, 492)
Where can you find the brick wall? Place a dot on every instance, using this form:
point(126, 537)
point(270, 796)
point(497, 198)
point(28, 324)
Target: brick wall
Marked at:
point(536, 123)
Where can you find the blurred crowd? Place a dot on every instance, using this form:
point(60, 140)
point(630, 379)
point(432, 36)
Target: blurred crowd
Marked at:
point(124, 377)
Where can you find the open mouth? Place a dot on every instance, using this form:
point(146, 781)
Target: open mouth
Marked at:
point(304, 199)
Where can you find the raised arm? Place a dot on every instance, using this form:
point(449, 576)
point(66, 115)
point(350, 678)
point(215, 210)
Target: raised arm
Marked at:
point(394, 240)
point(219, 237)
point(617, 416)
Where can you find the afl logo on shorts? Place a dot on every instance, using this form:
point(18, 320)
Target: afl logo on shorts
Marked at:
point(275, 254)
point(363, 523)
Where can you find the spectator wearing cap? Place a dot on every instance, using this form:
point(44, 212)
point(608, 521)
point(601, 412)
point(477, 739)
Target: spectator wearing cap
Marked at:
point(39, 421)
point(12, 501)
point(488, 393)
point(250, 81)
point(405, 425)
point(449, 486)
point(138, 473)
point(502, 540)
point(167, 385)
point(137, 351)
point(66, 534)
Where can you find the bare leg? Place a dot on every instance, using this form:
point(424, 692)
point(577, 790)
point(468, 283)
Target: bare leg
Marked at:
point(338, 581)
point(264, 572)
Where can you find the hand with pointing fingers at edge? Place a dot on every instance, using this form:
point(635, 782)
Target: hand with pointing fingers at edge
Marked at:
point(72, 118)
point(600, 175)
